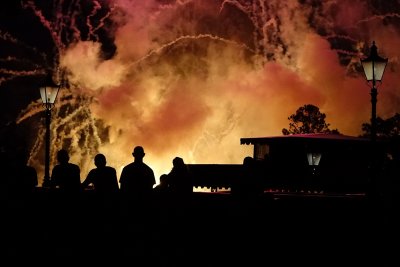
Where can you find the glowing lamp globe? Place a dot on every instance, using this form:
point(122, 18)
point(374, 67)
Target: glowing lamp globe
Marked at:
point(374, 65)
point(49, 92)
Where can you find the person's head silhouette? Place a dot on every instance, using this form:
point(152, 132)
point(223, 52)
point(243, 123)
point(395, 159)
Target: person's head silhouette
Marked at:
point(164, 180)
point(62, 156)
point(178, 162)
point(100, 160)
point(138, 153)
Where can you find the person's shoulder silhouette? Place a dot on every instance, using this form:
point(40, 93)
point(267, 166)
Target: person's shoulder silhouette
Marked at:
point(163, 186)
point(248, 182)
point(23, 181)
point(137, 176)
point(25, 176)
point(180, 178)
point(65, 175)
point(103, 177)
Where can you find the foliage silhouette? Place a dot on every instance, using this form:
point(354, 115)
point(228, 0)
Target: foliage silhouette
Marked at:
point(308, 119)
point(385, 128)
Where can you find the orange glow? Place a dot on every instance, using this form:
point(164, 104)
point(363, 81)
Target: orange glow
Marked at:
point(190, 78)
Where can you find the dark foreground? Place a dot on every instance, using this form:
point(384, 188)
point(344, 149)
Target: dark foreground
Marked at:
point(213, 229)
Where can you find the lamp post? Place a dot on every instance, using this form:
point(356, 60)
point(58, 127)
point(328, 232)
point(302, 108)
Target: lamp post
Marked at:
point(374, 67)
point(313, 158)
point(48, 94)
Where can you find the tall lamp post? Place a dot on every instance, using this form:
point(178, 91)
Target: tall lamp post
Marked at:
point(48, 94)
point(374, 67)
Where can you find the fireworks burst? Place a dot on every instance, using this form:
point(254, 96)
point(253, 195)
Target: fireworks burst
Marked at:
point(190, 78)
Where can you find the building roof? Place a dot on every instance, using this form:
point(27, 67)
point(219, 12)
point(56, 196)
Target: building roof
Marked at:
point(306, 138)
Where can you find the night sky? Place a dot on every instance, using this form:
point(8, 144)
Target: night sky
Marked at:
point(188, 78)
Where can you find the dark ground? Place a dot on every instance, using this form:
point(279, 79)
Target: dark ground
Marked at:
point(211, 230)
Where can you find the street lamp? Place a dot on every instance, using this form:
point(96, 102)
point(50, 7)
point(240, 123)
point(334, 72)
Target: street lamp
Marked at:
point(48, 93)
point(313, 159)
point(374, 67)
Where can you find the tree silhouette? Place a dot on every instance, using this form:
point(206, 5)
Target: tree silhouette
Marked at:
point(385, 129)
point(308, 119)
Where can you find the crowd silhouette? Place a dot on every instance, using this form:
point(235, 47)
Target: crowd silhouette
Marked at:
point(155, 222)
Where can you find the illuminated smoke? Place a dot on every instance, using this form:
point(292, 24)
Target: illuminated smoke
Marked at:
point(190, 78)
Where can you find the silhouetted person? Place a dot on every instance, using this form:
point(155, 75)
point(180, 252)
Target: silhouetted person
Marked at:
point(22, 182)
point(163, 186)
point(180, 180)
point(103, 178)
point(180, 190)
point(248, 184)
point(136, 187)
point(137, 181)
point(248, 189)
point(24, 178)
point(103, 197)
point(246, 194)
point(161, 201)
point(66, 175)
point(65, 178)
point(137, 178)
point(22, 201)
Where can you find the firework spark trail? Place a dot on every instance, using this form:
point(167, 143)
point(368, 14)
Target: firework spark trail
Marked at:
point(102, 20)
point(46, 23)
point(64, 99)
point(24, 61)
point(379, 17)
point(264, 16)
point(79, 128)
point(263, 21)
point(348, 53)
point(175, 5)
point(189, 37)
point(73, 11)
point(3, 80)
point(78, 125)
point(9, 38)
point(278, 32)
point(39, 142)
point(214, 136)
point(96, 7)
point(58, 24)
point(18, 73)
point(341, 36)
point(66, 21)
point(22, 72)
point(31, 110)
point(247, 9)
point(260, 23)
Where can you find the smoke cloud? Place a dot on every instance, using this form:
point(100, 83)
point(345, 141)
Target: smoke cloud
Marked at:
point(190, 78)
